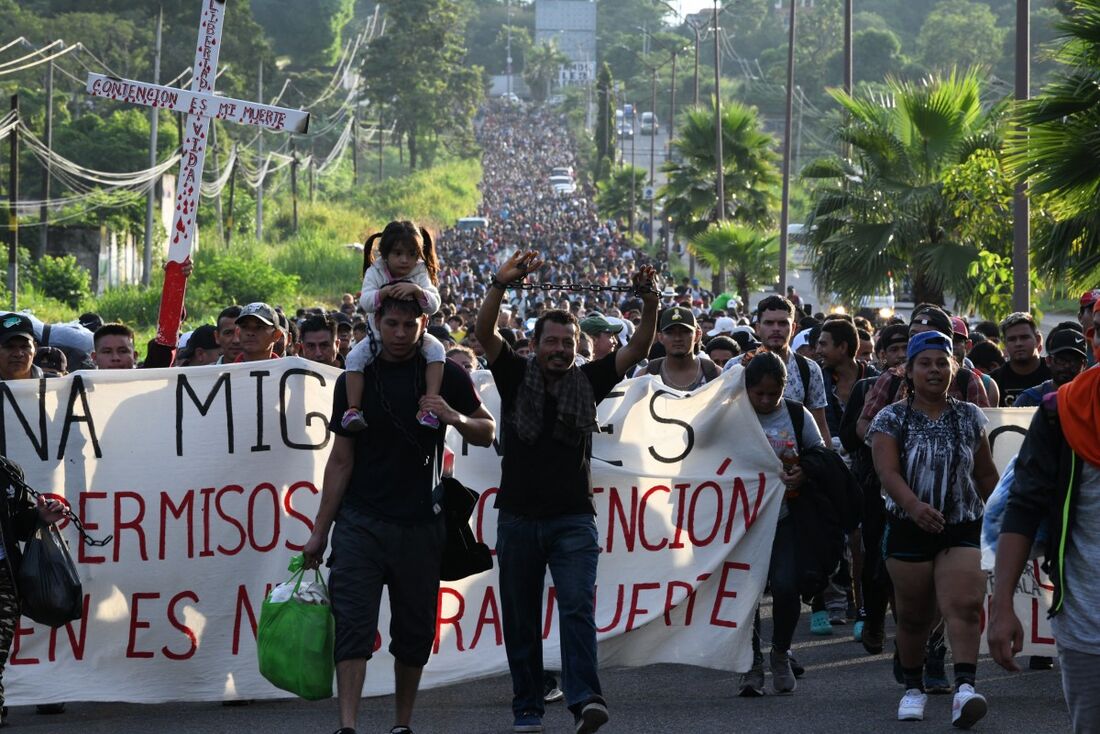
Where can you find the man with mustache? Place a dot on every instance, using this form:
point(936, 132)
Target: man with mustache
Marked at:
point(546, 514)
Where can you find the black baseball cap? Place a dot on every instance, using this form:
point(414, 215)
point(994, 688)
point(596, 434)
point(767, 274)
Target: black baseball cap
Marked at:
point(677, 316)
point(933, 317)
point(13, 325)
point(1068, 340)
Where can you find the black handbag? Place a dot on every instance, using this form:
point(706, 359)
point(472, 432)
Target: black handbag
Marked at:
point(463, 555)
point(50, 592)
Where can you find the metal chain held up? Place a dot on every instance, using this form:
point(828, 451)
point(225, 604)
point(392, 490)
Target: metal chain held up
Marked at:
point(583, 287)
point(14, 475)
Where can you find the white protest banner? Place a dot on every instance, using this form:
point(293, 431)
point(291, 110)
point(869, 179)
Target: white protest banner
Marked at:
point(1006, 430)
point(208, 479)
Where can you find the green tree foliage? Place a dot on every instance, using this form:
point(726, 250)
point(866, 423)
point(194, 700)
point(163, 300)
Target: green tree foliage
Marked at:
point(884, 212)
point(486, 34)
point(315, 40)
point(417, 68)
point(61, 278)
point(613, 197)
point(749, 170)
point(605, 117)
point(540, 68)
point(1058, 153)
point(960, 33)
point(749, 257)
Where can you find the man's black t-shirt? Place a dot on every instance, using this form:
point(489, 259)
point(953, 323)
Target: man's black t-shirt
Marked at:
point(390, 479)
point(1011, 383)
point(550, 478)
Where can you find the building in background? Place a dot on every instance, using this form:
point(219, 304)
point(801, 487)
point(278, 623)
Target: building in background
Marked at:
point(571, 25)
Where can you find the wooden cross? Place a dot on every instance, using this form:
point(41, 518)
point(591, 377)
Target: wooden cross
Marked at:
point(201, 106)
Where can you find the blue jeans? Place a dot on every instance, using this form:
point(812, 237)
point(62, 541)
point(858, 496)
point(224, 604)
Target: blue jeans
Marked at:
point(786, 601)
point(569, 545)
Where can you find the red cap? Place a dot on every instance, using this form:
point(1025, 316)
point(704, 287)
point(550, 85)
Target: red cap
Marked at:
point(958, 325)
point(1089, 298)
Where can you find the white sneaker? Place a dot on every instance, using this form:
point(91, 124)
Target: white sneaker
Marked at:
point(912, 704)
point(968, 707)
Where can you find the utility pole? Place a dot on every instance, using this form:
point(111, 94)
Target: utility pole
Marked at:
point(633, 168)
point(263, 168)
point(151, 200)
point(312, 166)
point(355, 150)
point(294, 185)
point(719, 157)
point(848, 76)
point(798, 137)
point(652, 152)
point(508, 49)
point(13, 214)
point(785, 214)
point(232, 191)
point(43, 213)
point(695, 28)
point(1021, 210)
point(381, 143)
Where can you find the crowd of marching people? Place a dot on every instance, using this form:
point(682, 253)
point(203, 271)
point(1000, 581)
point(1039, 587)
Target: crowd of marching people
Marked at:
point(879, 427)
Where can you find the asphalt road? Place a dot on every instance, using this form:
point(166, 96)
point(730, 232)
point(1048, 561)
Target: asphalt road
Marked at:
point(843, 691)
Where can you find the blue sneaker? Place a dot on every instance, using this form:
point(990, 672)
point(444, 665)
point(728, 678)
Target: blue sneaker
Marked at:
point(857, 631)
point(527, 723)
point(820, 625)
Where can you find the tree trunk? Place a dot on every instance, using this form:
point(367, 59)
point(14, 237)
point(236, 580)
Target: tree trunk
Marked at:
point(412, 150)
point(923, 289)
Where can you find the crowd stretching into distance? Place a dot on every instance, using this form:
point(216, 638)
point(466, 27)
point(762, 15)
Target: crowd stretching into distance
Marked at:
point(888, 411)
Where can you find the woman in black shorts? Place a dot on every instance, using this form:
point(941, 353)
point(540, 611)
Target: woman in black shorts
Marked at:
point(933, 458)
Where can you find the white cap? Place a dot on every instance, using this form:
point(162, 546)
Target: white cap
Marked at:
point(801, 340)
point(724, 325)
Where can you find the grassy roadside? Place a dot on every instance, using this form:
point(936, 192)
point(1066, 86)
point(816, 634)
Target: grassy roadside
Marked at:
point(312, 267)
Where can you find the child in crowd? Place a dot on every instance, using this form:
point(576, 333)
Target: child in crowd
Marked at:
point(406, 268)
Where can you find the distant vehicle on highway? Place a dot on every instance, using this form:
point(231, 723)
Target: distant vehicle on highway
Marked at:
point(649, 123)
point(563, 185)
point(624, 122)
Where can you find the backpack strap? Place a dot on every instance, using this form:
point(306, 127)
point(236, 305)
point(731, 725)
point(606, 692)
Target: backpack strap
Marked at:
point(803, 372)
point(798, 420)
point(711, 371)
point(964, 382)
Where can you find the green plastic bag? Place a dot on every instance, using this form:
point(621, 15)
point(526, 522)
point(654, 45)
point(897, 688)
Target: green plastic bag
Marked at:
point(295, 637)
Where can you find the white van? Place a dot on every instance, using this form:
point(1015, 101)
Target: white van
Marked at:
point(467, 223)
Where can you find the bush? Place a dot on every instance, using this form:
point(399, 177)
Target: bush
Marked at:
point(324, 267)
point(62, 279)
point(130, 304)
point(240, 276)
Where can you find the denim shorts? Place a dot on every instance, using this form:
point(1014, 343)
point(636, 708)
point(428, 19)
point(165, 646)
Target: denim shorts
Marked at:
point(903, 540)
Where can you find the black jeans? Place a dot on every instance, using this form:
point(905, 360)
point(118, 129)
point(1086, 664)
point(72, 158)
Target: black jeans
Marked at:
point(783, 579)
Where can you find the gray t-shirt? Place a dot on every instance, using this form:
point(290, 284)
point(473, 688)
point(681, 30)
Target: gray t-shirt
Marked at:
point(1077, 627)
point(933, 448)
point(779, 430)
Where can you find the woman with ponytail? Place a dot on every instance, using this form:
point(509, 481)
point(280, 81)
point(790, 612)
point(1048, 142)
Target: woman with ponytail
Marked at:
point(405, 269)
point(933, 458)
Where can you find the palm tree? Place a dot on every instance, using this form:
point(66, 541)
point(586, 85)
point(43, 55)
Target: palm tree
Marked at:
point(613, 193)
point(749, 172)
point(1058, 154)
point(750, 257)
point(884, 212)
point(540, 68)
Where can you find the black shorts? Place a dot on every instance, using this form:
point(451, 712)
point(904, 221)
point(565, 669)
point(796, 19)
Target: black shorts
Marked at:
point(367, 554)
point(904, 541)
